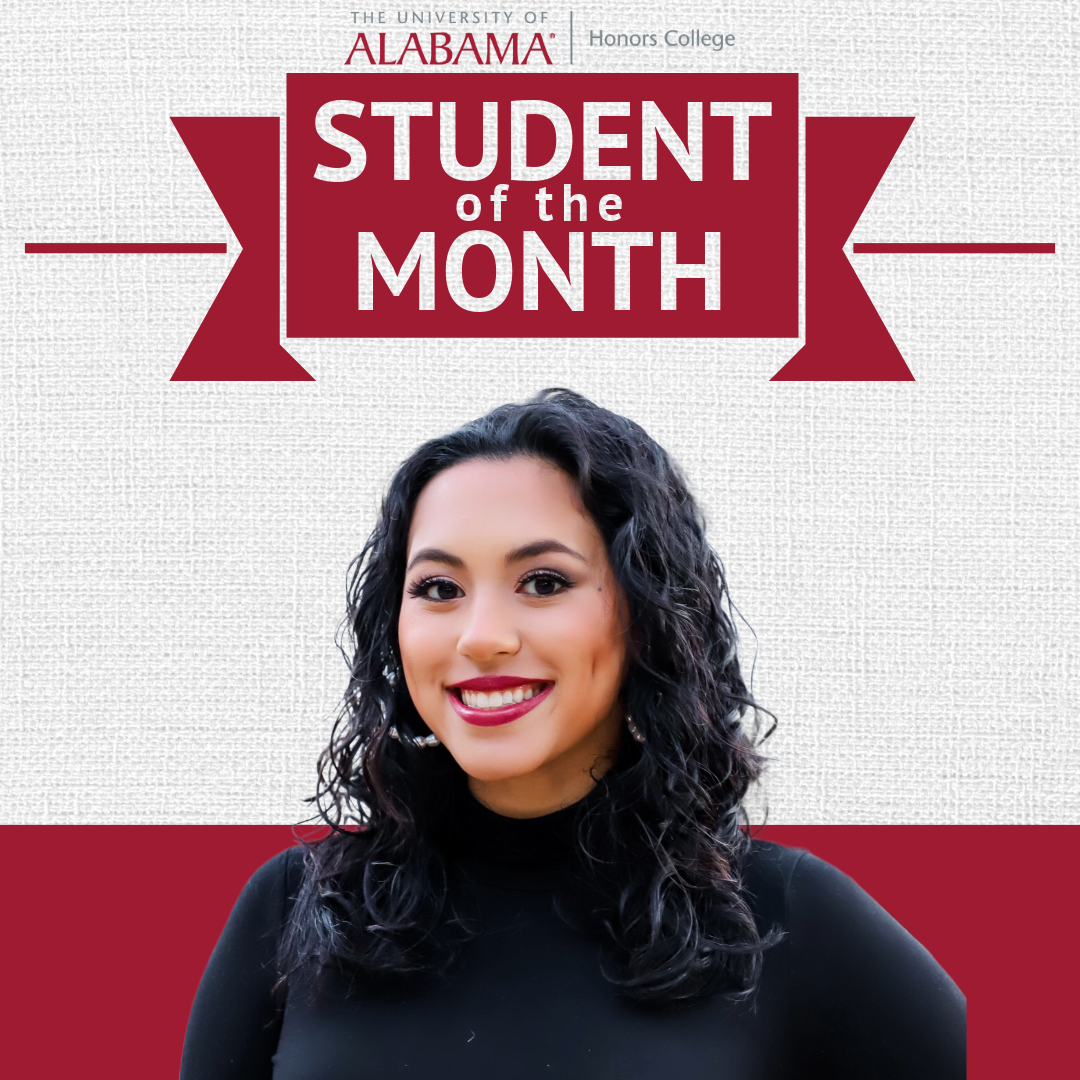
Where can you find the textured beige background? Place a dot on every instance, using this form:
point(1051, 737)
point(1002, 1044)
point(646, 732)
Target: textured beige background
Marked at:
point(172, 556)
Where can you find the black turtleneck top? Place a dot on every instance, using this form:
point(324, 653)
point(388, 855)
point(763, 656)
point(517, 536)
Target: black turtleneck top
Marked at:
point(847, 993)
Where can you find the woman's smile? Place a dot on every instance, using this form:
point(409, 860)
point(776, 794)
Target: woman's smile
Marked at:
point(498, 706)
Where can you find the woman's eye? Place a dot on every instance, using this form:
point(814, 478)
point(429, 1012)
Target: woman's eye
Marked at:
point(436, 590)
point(545, 585)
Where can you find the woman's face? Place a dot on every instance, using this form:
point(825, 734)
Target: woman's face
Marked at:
point(509, 592)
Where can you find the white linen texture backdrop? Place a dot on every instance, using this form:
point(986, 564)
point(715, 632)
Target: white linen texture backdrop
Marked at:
point(174, 554)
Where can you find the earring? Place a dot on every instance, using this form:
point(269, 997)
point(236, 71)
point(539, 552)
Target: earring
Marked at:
point(421, 742)
point(633, 729)
point(390, 675)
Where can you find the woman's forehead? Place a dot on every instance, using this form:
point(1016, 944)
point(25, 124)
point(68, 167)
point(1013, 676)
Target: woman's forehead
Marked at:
point(493, 503)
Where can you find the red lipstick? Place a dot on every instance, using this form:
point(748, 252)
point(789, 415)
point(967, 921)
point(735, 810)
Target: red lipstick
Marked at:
point(494, 682)
point(505, 713)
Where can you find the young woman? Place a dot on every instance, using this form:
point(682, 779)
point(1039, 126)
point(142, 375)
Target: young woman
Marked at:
point(537, 865)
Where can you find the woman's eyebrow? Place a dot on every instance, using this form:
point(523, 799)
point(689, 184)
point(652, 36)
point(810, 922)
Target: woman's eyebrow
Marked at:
point(526, 551)
point(435, 555)
point(541, 547)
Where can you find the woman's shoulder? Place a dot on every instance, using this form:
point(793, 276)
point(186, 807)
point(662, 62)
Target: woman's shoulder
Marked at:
point(268, 894)
point(768, 879)
point(864, 989)
point(811, 899)
point(826, 915)
point(844, 946)
point(798, 881)
point(808, 893)
point(277, 873)
point(279, 879)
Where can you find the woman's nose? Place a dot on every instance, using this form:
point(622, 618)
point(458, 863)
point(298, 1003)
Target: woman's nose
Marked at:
point(489, 629)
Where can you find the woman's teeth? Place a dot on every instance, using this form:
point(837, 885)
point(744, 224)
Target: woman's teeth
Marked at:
point(496, 699)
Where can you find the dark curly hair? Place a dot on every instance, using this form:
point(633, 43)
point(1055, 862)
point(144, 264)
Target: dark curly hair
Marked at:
point(660, 845)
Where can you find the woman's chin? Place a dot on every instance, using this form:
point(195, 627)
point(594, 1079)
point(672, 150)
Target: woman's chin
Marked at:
point(493, 764)
point(494, 772)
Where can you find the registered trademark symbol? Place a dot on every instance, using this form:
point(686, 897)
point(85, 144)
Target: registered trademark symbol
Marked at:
point(551, 35)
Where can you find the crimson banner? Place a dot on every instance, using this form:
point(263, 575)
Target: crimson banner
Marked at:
point(553, 205)
point(543, 206)
point(130, 1024)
